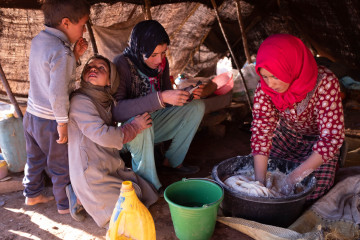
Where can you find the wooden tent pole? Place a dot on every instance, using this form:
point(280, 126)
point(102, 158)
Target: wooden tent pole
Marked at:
point(132, 12)
point(232, 53)
point(9, 93)
point(242, 30)
point(92, 37)
point(180, 26)
point(147, 10)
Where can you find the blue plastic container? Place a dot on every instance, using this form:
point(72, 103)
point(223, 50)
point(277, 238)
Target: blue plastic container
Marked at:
point(12, 143)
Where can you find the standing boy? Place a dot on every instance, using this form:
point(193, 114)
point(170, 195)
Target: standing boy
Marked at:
point(52, 66)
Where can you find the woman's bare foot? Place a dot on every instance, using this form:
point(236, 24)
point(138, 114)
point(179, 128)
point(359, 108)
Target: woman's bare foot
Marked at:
point(65, 211)
point(166, 162)
point(39, 199)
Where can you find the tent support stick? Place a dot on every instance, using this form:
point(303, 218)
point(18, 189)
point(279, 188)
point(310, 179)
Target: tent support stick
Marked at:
point(132, 12)
point(242, 30)
point(92, 37)
point(232, 54)
point(9, 93)
point(147, 10)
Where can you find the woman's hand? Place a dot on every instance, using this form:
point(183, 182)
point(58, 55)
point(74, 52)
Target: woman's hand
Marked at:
point(63, 133)
point(197, 92)
point(175, 97)
point(287, 185)
point(260, 168)
point(80, 47)
point(299, 173)
point(143, 121)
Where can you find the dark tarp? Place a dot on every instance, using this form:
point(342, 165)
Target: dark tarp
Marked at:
point(34, 4)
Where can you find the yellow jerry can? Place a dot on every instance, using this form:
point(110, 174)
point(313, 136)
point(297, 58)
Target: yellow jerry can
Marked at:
point(130, 218)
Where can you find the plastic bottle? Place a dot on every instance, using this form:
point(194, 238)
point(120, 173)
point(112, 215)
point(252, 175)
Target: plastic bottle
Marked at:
point(181, 81)
point(130, 218)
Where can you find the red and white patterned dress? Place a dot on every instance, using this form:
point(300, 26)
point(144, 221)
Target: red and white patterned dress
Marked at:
point(314, 124)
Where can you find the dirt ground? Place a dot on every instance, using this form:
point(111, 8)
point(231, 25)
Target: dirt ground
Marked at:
point(43, 222)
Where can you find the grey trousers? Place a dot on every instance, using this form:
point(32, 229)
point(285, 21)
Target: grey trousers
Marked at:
point(177, 123)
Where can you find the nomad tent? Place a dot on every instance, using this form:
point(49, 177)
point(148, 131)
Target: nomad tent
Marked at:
point(330, 28)
point(201, 33)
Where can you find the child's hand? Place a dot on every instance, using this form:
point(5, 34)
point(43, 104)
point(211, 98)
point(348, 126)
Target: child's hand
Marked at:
point(142, 121)
point(63, 133)
point(80, 47)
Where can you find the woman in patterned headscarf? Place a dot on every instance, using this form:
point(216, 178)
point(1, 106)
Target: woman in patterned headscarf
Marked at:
point(145, 87)
point(298, 114)
point(96, 169)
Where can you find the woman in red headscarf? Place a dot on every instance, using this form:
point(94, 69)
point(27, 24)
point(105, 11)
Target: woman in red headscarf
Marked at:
point(297, 114)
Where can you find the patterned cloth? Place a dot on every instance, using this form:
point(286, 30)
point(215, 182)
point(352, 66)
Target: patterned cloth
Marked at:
point(322, 117)
point(318, 122)
point(142, 85)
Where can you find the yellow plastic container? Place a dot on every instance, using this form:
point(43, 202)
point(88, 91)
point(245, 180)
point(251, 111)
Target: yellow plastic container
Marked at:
point(3, 169)
point(130, 218)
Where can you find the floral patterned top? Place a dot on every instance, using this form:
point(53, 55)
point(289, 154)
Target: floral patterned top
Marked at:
point(319, 114)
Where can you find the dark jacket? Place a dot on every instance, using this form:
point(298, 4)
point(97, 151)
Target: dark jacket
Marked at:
point(126, 107)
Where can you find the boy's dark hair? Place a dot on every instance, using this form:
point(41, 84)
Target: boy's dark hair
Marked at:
point(56, 10)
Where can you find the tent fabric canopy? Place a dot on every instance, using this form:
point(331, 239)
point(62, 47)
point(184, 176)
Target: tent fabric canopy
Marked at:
point(330, 28)
point(111, 41)
point(34, 4)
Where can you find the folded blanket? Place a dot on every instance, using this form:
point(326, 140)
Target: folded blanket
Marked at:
point(338, 211)
point(342, 202)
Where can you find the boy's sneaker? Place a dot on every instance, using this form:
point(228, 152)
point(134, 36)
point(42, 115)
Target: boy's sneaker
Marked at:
point(76, 210)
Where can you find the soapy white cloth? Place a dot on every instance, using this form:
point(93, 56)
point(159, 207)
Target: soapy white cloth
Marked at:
point(245, 183)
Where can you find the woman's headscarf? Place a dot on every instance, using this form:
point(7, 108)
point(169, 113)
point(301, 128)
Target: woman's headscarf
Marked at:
point(288, 59)
point(145, 36)
point(101, 96)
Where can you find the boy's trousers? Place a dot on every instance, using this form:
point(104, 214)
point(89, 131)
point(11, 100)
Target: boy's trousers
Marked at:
point(43, 151)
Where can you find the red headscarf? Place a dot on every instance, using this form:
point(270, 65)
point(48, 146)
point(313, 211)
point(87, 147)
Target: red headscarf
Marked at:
point(288, 59)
